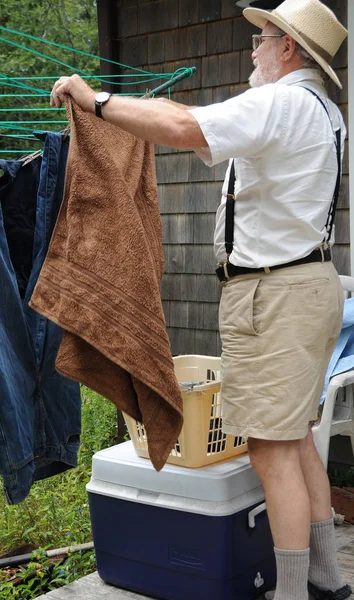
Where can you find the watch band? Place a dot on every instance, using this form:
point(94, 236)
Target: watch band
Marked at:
point(98, 106)
point(98, 109)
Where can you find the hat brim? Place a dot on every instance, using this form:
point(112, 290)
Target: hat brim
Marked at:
point(260, 17)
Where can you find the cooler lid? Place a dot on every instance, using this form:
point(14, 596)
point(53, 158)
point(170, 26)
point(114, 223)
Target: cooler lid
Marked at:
point(220, 481)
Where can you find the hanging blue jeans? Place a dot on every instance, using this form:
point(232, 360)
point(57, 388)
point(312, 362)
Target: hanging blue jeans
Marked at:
point(40, 410)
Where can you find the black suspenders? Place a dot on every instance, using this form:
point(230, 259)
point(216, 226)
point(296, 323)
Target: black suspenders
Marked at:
point(332, 208)
point(230, 199)
point(230, 209)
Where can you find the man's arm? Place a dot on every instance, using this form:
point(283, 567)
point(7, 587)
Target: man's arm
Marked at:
point(178, 104)
point(165, 123)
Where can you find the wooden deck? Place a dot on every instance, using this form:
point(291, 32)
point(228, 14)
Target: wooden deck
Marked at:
point(92, 587)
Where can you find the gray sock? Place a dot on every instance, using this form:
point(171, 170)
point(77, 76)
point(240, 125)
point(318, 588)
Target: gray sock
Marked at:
point(292, 574)
point(324, 570)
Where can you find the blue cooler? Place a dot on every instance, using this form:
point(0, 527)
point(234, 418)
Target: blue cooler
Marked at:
point(180, 534)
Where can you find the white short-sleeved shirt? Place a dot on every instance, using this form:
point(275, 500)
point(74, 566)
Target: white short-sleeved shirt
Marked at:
point(283, 144)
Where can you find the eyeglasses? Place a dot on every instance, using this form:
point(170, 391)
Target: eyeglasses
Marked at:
point(258, 39)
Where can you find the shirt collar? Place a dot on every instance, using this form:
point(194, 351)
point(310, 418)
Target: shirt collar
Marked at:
point(305, 77)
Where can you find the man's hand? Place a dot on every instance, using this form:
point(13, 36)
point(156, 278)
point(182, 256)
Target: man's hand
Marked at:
point(77, 88)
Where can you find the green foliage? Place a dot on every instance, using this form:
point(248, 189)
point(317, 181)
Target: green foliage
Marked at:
point(65, 22)
point(42, 575)
point(56, 512)
point(341, 478)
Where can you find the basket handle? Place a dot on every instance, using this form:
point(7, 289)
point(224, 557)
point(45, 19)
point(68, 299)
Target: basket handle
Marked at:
point(253, 513)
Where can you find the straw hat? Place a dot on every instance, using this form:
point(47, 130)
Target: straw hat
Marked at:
point(312, 24)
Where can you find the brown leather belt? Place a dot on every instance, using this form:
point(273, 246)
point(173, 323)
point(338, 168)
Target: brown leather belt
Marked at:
point(227, 270)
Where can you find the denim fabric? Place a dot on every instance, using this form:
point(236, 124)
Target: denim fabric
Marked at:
point(40, 410)
point(19, 211)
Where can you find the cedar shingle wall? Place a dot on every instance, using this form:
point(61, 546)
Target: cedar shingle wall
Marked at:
point(164, 35)
point(341, 251)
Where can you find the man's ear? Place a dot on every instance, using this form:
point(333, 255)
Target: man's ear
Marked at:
point(289, 48)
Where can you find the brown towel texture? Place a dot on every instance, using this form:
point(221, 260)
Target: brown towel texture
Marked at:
point(101, 279)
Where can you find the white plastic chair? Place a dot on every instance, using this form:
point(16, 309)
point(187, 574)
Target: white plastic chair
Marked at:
point(338, 409)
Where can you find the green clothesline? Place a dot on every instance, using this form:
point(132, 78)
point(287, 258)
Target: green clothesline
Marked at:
point(177, 76)
point(29, 129)
point(22, 96)
point(46, 56)
point(20, 109)
point(15, 151)
point(46, 96)
point(64, 64)
point(137, 71)
point(38, 39)
point(140, 76)
point(15, 83)
point(152, 75)
point(46, 93)
point(20, 136)
point(15, 122)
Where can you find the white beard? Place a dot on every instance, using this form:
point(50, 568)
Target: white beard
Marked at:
point(267, 73)
point(259, 77)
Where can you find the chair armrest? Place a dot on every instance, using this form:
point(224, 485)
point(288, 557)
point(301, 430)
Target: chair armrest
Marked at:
point(341, 380)
point(336, 382)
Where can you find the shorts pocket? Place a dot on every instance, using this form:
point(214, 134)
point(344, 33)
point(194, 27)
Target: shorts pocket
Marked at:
point(256, 309)
point(312, 307)
point(237, 308)
point(310, 284)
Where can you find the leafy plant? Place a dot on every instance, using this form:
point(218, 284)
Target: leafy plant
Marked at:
point(341, 478)
point(63, 22)
point(42, 574)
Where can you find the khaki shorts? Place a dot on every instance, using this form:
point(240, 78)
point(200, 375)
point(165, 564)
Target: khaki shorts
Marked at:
point(278, 331)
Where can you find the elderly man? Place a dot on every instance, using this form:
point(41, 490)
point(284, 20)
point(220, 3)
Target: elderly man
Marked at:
point(281, 304)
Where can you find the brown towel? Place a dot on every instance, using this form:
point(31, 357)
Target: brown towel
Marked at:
point(101, 279)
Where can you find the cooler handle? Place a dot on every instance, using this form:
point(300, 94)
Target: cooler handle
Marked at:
point(253, 513)
point(146, 496)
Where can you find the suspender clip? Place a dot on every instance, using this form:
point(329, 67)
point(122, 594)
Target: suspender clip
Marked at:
point(224, 265)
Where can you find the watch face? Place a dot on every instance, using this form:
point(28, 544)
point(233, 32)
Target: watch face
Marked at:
point(102, 97)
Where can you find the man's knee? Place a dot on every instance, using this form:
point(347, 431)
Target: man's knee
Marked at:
point(269, 457)
point(260, 452)
point(307, 445)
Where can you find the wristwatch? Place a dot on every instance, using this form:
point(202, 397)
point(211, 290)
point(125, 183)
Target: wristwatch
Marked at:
point(100, 99)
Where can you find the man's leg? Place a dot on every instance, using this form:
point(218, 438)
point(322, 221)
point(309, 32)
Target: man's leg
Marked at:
point(324, 571)
point(316, 480)
point(278, 465)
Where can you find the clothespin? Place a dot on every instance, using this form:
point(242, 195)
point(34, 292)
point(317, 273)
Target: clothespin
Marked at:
point(29, 157)
point(66, 132)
